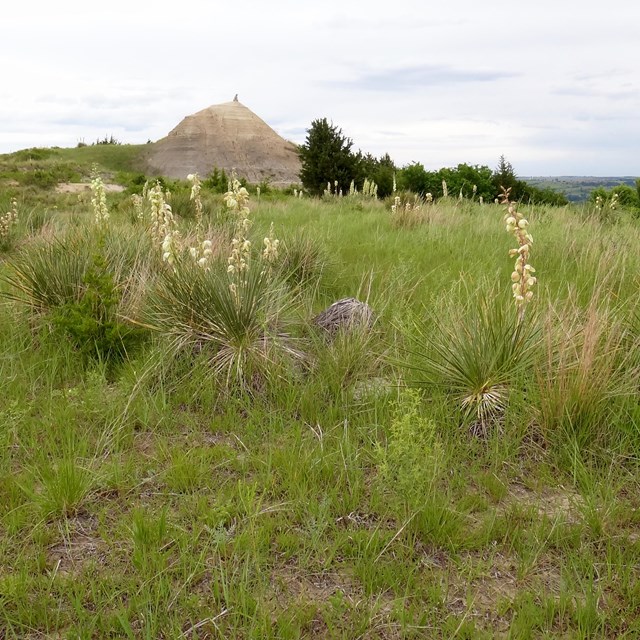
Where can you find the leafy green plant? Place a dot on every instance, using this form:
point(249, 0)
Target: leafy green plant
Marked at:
point(91, 322)
point(413, 460)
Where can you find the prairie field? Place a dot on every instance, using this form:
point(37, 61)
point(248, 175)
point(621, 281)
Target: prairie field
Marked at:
point(184, 453)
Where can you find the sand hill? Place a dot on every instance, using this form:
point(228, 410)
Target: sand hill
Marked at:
point(227, 136)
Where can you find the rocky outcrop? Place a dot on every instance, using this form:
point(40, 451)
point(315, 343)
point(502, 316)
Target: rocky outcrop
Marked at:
point(227, 136)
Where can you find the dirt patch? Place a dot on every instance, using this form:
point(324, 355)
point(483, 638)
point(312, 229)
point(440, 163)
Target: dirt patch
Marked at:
point(290, 583)
point(558, 502)
point(334, 594)
point(78, 546)
point(487, 598)
point(81, 187)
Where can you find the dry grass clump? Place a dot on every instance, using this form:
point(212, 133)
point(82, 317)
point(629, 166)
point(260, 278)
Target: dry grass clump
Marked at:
point(590, 370)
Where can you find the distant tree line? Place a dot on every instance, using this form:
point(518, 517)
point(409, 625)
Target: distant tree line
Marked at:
point(327, 157)
point(106, 140)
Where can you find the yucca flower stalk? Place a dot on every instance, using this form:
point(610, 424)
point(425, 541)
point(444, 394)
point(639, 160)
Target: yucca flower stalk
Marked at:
point(237, 201)
point(202, 254)
point(369, 189)
point(171, 248)
point(9, 220)
point(196, 187)
point(270, 251)
point(163, 226)
point(138, 206)
point(99, 201)
point(522, 276)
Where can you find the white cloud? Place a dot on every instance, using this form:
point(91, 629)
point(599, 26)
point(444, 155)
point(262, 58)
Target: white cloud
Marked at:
point(549, 84)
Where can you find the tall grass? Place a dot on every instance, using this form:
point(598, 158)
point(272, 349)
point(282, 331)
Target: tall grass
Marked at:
point(589, 374)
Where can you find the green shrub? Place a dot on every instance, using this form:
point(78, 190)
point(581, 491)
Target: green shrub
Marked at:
point(91, 321)
point(217, 181)
point(35, 153)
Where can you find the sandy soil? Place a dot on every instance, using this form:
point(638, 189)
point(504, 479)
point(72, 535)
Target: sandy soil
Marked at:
point(80, 187)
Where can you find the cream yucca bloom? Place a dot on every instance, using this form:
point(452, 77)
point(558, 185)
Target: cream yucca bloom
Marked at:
point(202, 254)
point(99, 201)
point(270, 251)
point(9, 219)
point(171, 248)
point(369, 189)
point(521, 277)
point(138, 206)
point(163, 226)
point(237, 201)
point(158, 210)
point(196, 187)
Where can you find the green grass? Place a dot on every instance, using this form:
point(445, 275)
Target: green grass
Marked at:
point(70, 164)
point(152, 500)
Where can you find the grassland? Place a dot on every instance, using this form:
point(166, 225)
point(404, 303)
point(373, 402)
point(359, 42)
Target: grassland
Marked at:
point(348, 494)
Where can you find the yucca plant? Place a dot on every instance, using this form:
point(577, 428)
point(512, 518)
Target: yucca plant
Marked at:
point(474, 353)
point(49, 275)
point(303, 260)
point(237, 325)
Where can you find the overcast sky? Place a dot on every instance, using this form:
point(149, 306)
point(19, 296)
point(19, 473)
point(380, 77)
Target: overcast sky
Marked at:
point(552, 85)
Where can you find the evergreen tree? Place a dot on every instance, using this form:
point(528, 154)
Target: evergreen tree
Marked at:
point(326, 156)
point(505, 176)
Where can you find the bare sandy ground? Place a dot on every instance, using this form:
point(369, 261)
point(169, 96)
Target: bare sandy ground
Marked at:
point(80, 187)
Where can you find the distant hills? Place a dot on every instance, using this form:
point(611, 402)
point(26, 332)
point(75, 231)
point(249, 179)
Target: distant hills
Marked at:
point(578, 188)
